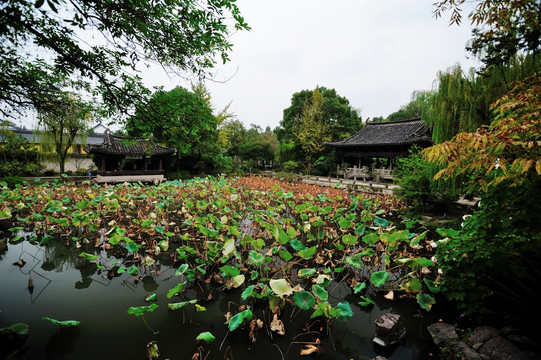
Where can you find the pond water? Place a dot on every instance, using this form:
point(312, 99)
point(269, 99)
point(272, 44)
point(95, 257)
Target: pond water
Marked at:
point(68, 287)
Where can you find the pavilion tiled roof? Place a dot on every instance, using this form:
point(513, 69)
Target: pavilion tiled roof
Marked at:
point(118, 145)
point(387, 134)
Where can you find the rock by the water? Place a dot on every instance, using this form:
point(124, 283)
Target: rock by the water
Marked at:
point(461, 350)
point(481, 335)
point(389, 330)
point(441, 333)
point(499, 348)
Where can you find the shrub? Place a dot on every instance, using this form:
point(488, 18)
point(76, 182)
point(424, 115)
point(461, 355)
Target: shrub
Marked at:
point(291, 165)
point(12, 181)
point(414, 174)
point(81, 172)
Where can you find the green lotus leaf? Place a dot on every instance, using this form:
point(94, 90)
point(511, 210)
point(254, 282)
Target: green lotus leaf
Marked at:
point(320, 292)
point(285, 255)
point(280, 287)
point(323, 280)
point(88, 256)
point(379, 278)
point(425, 301)
point(132, 247)
point(151, 297)
point(304, 299)
point(132, 270)
point(248, 292)
point(238, 319)
point(306, 272)
point(140, 310)
point(366, 301)
point(412, 285)
point(256, 258)
point(206, 337)
point(355, 262)
point(200, 308)
point(308, 253)
point(66, 323)
point(297, 245)
point(344, 311)
point(370, 238)
point(230, 271)
point(349, 239)
point(180, 305)
point(344, 223)
point(182, 269)
point(172, 292)
point(359, 287)
point(19, 329)
point(381, 222)
point(291, 232)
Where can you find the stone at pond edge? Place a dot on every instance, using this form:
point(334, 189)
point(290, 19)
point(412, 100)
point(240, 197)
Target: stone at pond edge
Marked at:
point(481, 335)
point(499, 348)
point(389, 330)
point(441, 333)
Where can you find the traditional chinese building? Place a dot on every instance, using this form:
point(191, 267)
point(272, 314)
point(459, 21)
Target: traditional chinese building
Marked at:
point(121, 159)
point(376, 146)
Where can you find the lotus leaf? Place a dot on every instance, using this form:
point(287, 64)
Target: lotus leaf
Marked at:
point(19, 329)
point(239, 319)
point(344, 311)
point(66, 323)
point(206, 337)
point(180, 305)
point(88, 256)
point(141, 310)
point(425, 301)
point(379, 278)
point(304, 299)
point(306, 272)
point(320, 292)
point(280, 287)
point(172, 292)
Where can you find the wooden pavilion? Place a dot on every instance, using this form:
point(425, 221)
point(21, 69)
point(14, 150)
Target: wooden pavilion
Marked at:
point(121, 159)
point(380, 144)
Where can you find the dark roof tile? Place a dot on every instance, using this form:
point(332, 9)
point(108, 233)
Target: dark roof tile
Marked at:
point(117, 145)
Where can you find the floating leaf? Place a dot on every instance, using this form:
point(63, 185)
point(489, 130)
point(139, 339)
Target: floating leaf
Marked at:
point(306, 272)
point(256, 258)
point(285, 255)
point(370, 239)
point(19, 329)
point(359, 287)
point(349, 239)
point(239, 319)
point(229, 247)
point(200, 308)
point(132, 247)
point(431, 285)
point(140, 310)
point(297, 245)
point(381, 222)
point(280, 287)
point(320, 292)
point(366, 301)
point(308, 253)
point(230, 271)
point(304, 299)
point(66, 323)
point(151, 297)
point(180, 305)
point(132, 270)
point(88, 256)
point(412, 285)
point(379, 278)
point(248, 292)
point(344, 223)
point(344, 311)
point(172, 292)
point(237, 280)
point(182, 269)
point(425, 301)
point(206, 337)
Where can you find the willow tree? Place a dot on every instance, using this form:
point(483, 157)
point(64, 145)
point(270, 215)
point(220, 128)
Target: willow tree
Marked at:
point(62, 125)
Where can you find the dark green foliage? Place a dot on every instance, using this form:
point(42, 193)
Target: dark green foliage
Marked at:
point(414, 174)
point(412, 110)
point(17, 156)
point(180, 35)
point(182, 120)
point(497, 252)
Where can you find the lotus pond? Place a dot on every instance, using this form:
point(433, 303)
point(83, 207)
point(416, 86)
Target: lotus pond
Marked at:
point(216, 268)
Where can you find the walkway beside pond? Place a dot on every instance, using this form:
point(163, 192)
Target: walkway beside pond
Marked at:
point(359, 185)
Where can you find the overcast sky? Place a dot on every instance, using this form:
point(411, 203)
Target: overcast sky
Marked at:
point(374, 53)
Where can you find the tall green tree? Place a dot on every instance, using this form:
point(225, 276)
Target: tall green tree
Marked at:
point(62, 123)
point(336, 112)
point(43, 40)
point(182, 120)
point(413, 109)
point(310, 130)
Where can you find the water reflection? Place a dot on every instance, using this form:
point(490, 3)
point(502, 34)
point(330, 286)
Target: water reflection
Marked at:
point(62, 342)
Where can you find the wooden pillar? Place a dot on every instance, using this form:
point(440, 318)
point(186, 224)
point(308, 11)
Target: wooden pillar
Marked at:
point(160, 164)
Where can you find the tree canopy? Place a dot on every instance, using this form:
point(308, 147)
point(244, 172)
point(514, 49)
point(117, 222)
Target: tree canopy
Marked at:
point(337, 113)
point(43, 41)
point(502, 28)
point(182, 120)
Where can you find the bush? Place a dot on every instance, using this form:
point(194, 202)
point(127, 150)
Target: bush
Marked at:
point(12, 181)
point(81, 172)
point(414, 174)
point(48, 173)
point(179, 175)
point(291, 165)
